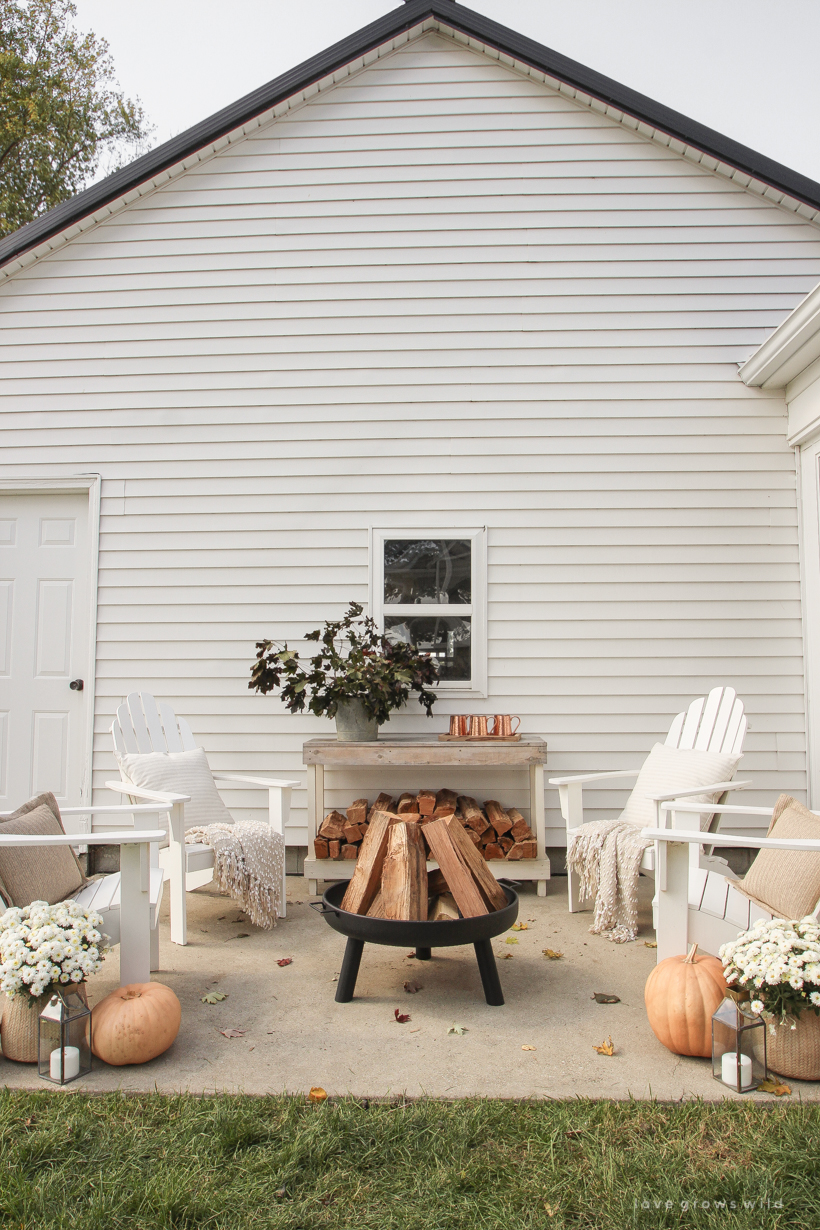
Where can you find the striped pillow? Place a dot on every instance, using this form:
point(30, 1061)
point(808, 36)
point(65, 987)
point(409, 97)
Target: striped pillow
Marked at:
point(672, 768)
point(180, 773)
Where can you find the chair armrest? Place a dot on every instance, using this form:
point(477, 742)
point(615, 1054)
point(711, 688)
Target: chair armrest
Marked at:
point(592, 777)
point(734, 840)
point(268, 782)
point(712, 788)
point(132, 837)
point(730, 809)
point(139, 792)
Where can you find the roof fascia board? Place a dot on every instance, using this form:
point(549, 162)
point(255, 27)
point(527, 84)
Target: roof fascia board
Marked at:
point(789, 349)
point(703, 145)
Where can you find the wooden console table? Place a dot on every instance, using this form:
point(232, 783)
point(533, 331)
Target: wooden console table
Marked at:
point(420, 750)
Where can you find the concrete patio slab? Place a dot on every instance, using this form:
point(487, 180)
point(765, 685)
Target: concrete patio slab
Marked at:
point(297, 1036)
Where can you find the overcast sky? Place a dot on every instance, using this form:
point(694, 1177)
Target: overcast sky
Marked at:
point(748, 68)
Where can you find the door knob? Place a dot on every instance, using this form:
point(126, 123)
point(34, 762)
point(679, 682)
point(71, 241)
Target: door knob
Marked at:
point(76, 685)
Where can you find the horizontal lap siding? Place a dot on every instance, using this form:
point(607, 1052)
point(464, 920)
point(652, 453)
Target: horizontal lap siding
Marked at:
point(439, 294)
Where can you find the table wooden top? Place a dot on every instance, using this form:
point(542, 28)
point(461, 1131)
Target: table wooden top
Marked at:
point(424, 750)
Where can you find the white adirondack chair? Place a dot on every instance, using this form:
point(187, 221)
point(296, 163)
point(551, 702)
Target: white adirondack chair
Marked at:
point(142, 726)
point(128, 900)
point(713, 723)
point(697, 905)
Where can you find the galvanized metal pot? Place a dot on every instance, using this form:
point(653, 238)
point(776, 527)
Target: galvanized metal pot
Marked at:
point(354, 724)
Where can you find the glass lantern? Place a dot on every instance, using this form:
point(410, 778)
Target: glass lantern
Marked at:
point(738, 1044)
point(64, 1040)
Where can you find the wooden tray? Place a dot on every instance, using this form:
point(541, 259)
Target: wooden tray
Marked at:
point(479, 738)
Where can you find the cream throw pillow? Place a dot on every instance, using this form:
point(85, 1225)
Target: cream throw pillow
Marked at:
point(671, 768)
point(787, 882)
point(180, 773)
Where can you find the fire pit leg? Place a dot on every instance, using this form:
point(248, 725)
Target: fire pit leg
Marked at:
point(423, 954)
point(489, 973)
point(350, 971)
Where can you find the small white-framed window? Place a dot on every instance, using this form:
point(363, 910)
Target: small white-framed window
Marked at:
point(429, 587)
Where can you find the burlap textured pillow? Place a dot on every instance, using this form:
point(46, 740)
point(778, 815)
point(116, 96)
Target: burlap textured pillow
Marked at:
point(787, 882)
point(37, 873)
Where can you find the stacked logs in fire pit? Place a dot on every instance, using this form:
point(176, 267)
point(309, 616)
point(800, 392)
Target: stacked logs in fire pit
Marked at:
point(390, 879)
point(498, 833)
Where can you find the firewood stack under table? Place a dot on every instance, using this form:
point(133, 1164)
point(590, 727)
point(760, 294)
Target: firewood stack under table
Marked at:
point(392, 841)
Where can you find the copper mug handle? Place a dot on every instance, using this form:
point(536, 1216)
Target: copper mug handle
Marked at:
point(502, 725)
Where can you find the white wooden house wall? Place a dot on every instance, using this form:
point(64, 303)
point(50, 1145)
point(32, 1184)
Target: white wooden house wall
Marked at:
point(439, 294)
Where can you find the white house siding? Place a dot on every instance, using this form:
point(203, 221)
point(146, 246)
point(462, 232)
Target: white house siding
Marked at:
point(438, 294)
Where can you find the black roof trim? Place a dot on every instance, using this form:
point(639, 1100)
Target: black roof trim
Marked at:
point(409, 14)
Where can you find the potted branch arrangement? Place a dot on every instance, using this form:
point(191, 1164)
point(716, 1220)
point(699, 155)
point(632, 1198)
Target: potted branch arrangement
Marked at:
point(359, 676)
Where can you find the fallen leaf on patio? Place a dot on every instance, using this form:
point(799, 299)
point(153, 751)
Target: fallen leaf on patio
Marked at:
point(505, 956)
point(650, 943)
point(411, 956)
point(317, 1094)
point(603, 997)
point(552, 954)
point(458, 1029)
point(213, 997)
point(519, 926)
point(527, 1048)
point(222, 917)
point(401, 1017)
point(285, 961)
point(233, 1033)
point(511, 940)
point(243, 935)
point(774, 1086)
point(412, 988)
point(606, 1048)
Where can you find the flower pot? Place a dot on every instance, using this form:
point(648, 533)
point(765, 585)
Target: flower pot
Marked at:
point(20, 1023)
point(354, 724)
point(795, 1052)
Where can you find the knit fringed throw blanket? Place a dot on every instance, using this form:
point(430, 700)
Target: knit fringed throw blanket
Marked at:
point(249, 859)
point(606, 856)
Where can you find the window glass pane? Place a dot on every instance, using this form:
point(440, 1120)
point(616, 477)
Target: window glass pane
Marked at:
point(429, 570)
point(446, 638)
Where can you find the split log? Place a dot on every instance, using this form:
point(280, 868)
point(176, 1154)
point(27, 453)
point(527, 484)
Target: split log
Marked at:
point(333, 826)
point(493, 850)
point(473, 836)
point(320, 847)
point(520, 830)
point(364, 883)
point(523, 849)
point(491, 890)
point(350, 851)
point(446, 796)
point(334, 849)
point(461, 883)
point(383, 803)
point(442, 907)
point(353, 833)
point(376, 908)
point(404, 874)
point(407, 802)
point(498, 817)
point(506, 842)
point(426, 802)
point(357, 812)
point(436, 883)
point(474, 817)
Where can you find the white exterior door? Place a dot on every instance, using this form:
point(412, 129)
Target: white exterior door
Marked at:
point(45, 644)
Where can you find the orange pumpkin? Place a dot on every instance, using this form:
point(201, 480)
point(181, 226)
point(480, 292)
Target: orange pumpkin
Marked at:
point(681, 995)
point(135, 1023)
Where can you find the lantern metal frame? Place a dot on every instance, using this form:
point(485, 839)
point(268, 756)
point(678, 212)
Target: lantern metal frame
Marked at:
point(743, 1033)
point(67, 1018)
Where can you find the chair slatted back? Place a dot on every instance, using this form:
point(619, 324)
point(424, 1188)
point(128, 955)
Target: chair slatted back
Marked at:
point(142, 726)
point(713, 723)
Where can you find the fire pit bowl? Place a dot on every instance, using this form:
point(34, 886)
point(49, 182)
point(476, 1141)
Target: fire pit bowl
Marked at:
point(423, 936)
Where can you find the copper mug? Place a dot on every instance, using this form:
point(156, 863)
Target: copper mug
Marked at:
point(460, 725)
point(502, 725)
point(479, 725)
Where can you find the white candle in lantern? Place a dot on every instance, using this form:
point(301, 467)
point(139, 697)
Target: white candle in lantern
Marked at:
point(71, 1062)
point(728, 1070)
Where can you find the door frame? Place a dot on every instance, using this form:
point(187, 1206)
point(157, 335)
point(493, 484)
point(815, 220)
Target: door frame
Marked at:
point(55, 485)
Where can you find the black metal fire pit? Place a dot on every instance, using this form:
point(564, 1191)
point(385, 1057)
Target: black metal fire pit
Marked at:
point(423, 936)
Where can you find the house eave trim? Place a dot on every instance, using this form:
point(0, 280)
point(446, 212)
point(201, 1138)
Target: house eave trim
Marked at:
point(793, 346)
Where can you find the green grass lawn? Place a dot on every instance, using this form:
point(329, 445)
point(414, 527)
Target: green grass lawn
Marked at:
point(233, 1162)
